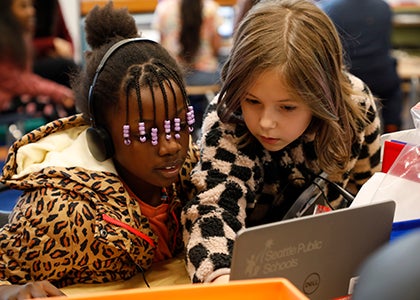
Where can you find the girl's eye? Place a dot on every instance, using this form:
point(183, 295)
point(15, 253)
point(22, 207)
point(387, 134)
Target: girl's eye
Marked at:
point(251, 101)
point(288, 107)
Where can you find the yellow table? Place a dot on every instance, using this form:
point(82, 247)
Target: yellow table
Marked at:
point(166, 273)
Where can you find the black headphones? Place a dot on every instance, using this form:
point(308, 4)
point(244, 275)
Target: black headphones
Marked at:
point(98, 139)
point(310, 196)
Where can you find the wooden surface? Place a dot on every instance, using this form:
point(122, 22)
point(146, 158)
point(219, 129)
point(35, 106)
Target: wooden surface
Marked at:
point(134, 6)
point(408, 66)
point(409, 71)
point(411, 8)
point(143, 6)
point(166, 273)
point(406, 20)
point(202, 89)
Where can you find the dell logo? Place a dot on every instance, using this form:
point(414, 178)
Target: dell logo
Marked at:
point(311, 283)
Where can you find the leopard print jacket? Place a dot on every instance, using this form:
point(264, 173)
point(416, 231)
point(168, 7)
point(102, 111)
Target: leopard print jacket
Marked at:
point(239, 188)
point(74, 225)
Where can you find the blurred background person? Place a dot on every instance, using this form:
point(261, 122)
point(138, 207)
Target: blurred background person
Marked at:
point(53, 44)
point(242, 7)
point(365, 29)
point(188, 29)
point(22, 91)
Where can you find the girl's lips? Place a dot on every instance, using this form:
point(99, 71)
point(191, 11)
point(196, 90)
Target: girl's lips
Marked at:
point(170, 170)
point(268, 140)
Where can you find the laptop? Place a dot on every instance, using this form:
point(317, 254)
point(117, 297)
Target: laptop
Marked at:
point(320, 254)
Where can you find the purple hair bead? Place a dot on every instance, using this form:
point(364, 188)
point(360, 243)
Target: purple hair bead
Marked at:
point(154, 134)
point(126, 134)
point(167, 126)
point(142, 132)
point(190, 118)
point(177, 127)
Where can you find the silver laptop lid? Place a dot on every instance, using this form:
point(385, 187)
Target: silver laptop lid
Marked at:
point(319, 254)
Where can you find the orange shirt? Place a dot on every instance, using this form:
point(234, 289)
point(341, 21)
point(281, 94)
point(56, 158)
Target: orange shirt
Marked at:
point(158, 216)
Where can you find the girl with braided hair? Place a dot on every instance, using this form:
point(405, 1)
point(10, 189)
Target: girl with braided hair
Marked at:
point(102, 190)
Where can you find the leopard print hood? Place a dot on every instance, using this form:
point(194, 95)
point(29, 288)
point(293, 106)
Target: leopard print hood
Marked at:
point(59, 144)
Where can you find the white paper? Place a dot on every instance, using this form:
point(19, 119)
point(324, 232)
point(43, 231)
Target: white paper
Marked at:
point(383, 187)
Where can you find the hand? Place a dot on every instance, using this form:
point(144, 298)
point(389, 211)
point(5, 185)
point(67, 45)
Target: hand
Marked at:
point(221, 279)
point(63, 48)
point(30, 290)
point(68, 102)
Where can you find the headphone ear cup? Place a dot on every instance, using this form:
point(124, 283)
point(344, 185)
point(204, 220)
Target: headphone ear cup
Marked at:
point(100, 143)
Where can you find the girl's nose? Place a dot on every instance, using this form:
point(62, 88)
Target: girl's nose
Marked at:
point(169, 146)
point(268, 120)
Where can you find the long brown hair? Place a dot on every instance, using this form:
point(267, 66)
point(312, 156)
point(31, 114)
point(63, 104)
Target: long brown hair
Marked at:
point(189, 36)
point(12, 43)
point(297, 39)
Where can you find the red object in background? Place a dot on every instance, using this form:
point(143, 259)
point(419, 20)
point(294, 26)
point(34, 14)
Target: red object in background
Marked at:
point(321, 208)
point(402, 160)
point(391, 151)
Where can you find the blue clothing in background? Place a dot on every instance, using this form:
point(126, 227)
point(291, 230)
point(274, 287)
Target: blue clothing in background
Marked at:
point(365, 28)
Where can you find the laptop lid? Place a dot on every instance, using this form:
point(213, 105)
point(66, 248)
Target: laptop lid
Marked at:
point(319, 254)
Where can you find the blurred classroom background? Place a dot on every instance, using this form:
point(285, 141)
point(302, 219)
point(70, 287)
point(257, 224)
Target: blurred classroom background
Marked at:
point(405, 36)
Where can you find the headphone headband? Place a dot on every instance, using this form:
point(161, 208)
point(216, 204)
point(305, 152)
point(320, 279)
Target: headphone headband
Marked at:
point(100, 67)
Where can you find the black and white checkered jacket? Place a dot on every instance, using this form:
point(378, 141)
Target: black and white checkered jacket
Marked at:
point(239, 188)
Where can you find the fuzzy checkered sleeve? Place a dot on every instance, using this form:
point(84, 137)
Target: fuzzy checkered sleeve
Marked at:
point(223, 179)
